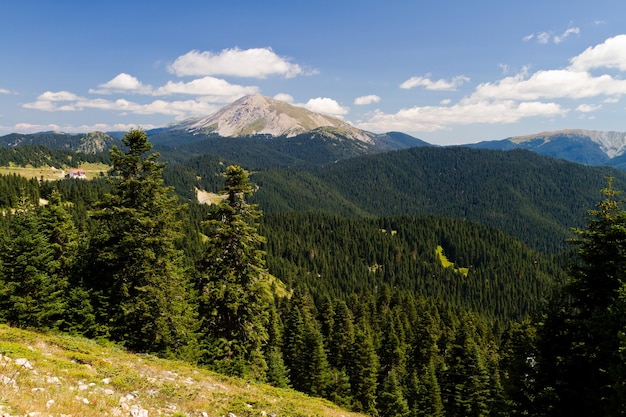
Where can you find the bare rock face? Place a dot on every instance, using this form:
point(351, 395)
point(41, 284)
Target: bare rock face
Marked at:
point(611, 143)
point(258, 115)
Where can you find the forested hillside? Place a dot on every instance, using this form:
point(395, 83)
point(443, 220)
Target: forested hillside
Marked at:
point(535, 198)
point(387, 284)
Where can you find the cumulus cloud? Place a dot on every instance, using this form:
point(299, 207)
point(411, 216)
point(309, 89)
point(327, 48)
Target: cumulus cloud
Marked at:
point(326, 105)
point(284, 97)
point(65, 101)
point(369, 99)
point(438, 85)
point(206, 86)
point(551, 84)
point(122, 83)
point(609, 54)
point(432, 118)
point(254, 63)
point(4, 91)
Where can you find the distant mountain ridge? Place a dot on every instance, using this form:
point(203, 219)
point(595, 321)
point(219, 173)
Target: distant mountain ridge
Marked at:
point(589, 147)
point(89, 143)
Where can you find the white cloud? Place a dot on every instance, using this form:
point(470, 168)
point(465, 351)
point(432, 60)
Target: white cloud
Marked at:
point(206, 86)
point(326, 105)
point(255, 63)
point(124, 83)
point(369, 99)
point(588, 108)
point(287, 98)
point(545, 37)
point(101, 127)
point(551, 84)
point(609, 54)
point(570, 31)
point(439, 85)
point(431, 118)
point(4, 91)
point(65, 101)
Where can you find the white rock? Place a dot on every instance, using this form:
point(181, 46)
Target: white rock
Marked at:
point(53, 380)
point(24, 363)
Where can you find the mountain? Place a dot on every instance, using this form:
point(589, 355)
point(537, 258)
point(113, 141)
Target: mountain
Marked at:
point(260, 115)
point(90, 143)
point(264, 118)
point(589, 147)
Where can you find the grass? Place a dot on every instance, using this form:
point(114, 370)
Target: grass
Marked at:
point(92, 170)
point(58, 375)
point(447, 264)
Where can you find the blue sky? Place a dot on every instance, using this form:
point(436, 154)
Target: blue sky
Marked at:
point(447, 72)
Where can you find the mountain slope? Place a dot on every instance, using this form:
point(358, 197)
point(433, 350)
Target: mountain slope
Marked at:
point(589, 147)
point(260, 115)
point(533, 197)
point(46, 374)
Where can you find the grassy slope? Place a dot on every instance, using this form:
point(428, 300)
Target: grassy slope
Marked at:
point(63, 375)
point(48, 173)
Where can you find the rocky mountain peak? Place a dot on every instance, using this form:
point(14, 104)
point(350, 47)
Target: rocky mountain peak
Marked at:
point(258, 115)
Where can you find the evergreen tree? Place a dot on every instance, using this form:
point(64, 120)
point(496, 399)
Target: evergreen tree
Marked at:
point(425, 398)
point(518, 365)
point(467, 381)
point(391, 401)
point(234, 284)
point(31, 293)
point(63, 238)
point(277, 372)
point(364, 371)
point(581, 360)
point(140, 286)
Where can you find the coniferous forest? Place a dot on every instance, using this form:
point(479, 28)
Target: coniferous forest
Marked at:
point(391, 295)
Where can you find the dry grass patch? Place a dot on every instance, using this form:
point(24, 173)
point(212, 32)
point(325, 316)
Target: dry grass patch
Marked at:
point(63, 375)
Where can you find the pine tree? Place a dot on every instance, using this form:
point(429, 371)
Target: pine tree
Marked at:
point(277, 372)
point(391, 401)
point(31, 294)
point(581, 359)
point(467, 381)
point(63, 238)
point(425, 398)
point(364, 371)
point(518, 365)
point(140, 286)
point(234, 284)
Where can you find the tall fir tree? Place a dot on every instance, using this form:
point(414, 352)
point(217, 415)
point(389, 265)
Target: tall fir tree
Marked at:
point(363, 371)
point(136, 272)
point(65, 242)
point(234, 284)
point(32, 293)
point(466, 381)
point(581, 361)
